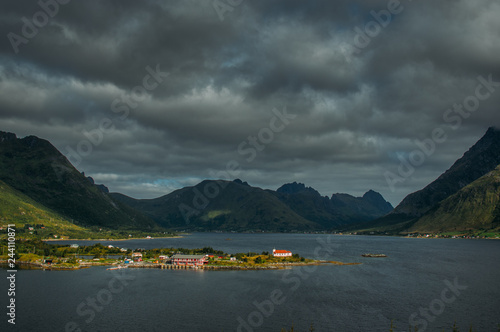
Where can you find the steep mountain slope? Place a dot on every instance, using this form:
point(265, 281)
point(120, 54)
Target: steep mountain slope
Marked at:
point(220, 205)
point(37, 169)
point(476, 206)
point(481, 158)
point(19, 209)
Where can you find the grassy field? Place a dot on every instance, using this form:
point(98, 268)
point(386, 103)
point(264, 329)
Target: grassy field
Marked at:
point(20, 210)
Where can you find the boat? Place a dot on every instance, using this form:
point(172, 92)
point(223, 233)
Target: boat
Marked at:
point(374, 255)
point(118, 267)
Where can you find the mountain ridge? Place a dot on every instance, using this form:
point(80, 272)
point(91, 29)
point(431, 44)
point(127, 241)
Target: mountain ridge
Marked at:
point(482, 158)
point(448, 183)
point(237, 206)
point(34, 167)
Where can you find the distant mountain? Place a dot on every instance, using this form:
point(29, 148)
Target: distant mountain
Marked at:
point(236, 206)
point(35, 168)
point(474, 207)
point(371, 205)
point(334, 212)
point(220, 205)
point(481, 159)
point(297, 188)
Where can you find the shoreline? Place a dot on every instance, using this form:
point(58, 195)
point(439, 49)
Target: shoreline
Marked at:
point(130, 238)
point(208, 267)
point(336, 234)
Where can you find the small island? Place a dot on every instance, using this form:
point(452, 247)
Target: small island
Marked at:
point(36, 254)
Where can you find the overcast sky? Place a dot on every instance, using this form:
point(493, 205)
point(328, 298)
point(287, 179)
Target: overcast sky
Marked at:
point(333, 94)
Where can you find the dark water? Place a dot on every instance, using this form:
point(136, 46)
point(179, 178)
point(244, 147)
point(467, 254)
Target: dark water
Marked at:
point(365, 297)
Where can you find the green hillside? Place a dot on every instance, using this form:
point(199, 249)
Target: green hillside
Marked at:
point(474, 207)
point(16, 208)
point(482, 158)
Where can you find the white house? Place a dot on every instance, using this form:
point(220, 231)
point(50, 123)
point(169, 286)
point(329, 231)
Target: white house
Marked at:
point(282, 253)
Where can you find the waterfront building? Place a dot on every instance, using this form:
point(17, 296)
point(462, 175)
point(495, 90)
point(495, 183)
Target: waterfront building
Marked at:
point(180, 259)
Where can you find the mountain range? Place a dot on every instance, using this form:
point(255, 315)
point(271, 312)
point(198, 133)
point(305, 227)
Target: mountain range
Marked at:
point(34, 169)
point(237, 206)
point(39, 184)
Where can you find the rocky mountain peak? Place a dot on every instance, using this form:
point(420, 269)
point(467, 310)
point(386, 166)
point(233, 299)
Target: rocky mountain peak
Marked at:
point(294, 188)
point(5, 136)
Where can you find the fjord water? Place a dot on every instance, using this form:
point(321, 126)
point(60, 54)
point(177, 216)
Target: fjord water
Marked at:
point(362, 297)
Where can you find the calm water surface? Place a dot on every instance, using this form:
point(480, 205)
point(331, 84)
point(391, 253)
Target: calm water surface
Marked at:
point(411, 285)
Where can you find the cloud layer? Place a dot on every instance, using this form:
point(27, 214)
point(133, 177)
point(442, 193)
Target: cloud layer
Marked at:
point(181, 92)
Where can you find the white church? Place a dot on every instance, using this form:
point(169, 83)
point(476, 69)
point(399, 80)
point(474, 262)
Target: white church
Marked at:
point(282, 253)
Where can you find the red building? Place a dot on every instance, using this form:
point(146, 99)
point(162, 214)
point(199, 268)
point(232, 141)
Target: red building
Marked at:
point(189, 259)
point(282, 253)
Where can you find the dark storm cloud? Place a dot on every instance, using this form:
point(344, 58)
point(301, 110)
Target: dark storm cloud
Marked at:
point(357, 108)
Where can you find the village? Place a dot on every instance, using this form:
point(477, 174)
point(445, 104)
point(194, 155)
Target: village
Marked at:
point(210, 260)
point(71, 257)
point(213, 261)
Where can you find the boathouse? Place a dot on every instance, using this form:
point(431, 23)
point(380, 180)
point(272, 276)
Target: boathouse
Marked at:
point(188, 259)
